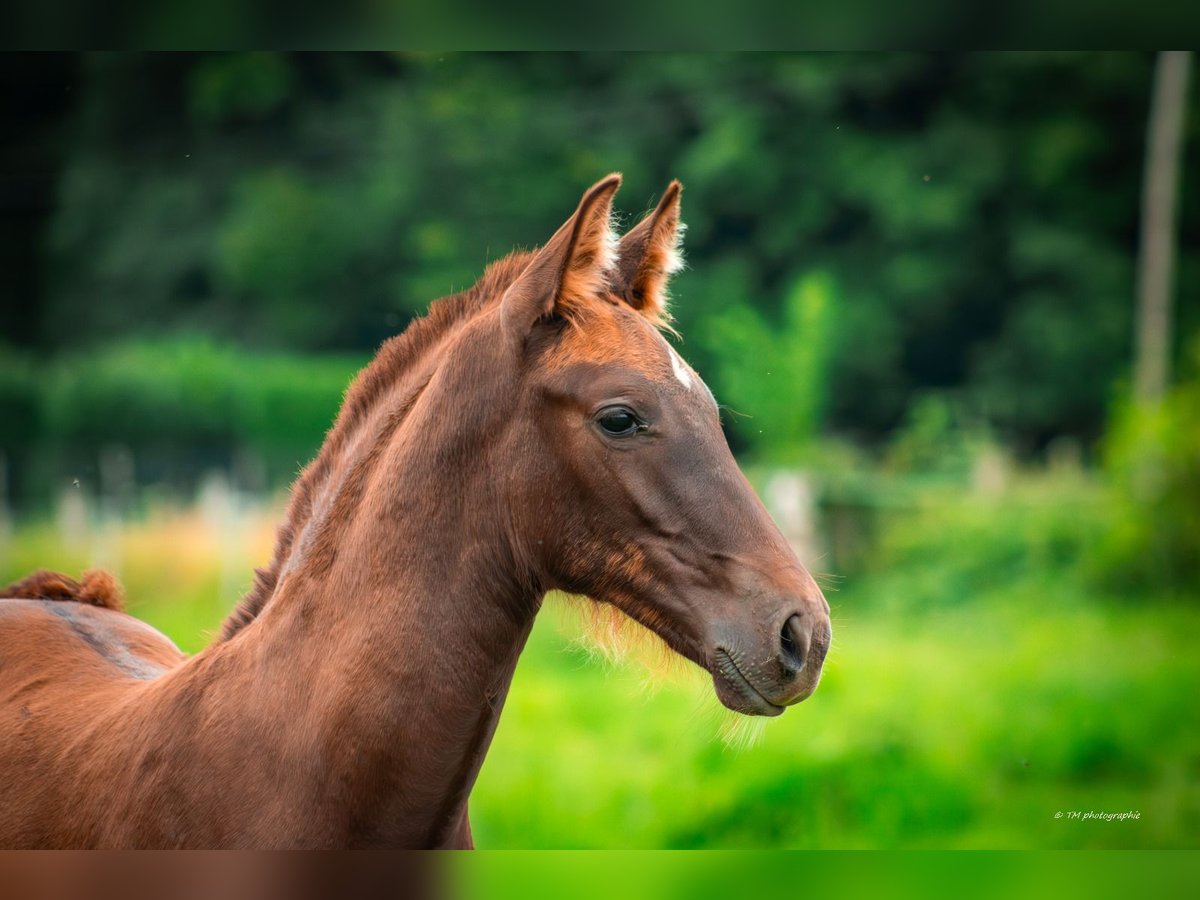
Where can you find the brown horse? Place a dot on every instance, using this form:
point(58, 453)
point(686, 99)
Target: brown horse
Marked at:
point(535, 432)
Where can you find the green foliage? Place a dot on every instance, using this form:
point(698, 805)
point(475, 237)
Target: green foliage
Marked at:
point(181, 405)
point(932, 439)
point(139, 392)
point(772, 379)
point(285, 246)
point(1153, 461)
point(954, 546)
point(241, 84)
point(194, 391)
point(976, 225)
point(20, 412)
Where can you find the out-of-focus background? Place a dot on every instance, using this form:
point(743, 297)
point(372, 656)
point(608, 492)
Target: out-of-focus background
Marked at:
point(936, 292)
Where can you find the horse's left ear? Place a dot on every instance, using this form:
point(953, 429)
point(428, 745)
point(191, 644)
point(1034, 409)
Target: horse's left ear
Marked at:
point(648, 255)
point(576, 263)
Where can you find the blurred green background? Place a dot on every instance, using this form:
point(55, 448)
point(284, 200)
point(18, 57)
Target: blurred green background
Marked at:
point(911, 279)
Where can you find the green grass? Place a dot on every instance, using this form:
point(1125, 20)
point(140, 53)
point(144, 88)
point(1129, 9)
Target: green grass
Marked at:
point(968, 728)
point(978, 685)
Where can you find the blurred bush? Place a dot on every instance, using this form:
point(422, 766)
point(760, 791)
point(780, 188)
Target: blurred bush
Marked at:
point(938, 438)
point(778, 371)
point(1152, 459)
point(193, 390)
point(958, 546)
point(173, 397)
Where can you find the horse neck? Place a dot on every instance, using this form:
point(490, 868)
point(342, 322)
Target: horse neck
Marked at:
point(402, 622)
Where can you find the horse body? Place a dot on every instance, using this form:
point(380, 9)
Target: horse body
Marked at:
point(319, 726)
point(535, 433)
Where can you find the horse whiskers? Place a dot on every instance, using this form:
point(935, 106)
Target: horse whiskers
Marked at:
point(605, 632)
point(737, 732)
point(740, 732)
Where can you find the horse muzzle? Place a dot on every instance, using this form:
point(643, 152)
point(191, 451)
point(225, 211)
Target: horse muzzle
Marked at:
point(764, 676)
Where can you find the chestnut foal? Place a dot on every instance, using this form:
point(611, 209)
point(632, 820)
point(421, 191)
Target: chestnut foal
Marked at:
point(532, 433)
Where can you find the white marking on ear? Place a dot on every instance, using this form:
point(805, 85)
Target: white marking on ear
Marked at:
point(680, 368)
point(675, 261)
point(610, 252)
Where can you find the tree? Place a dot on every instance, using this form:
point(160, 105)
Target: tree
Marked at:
point(1164, 142)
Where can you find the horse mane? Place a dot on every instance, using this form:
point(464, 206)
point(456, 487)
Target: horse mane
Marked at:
point(95, 588)
point(396, 356)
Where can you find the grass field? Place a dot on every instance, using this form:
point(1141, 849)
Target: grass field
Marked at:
point(966, 728)
point(969, 698)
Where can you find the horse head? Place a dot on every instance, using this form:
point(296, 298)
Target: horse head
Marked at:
point(619, 480)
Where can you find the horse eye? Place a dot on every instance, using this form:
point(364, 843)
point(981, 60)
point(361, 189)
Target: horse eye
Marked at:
point(618, 421)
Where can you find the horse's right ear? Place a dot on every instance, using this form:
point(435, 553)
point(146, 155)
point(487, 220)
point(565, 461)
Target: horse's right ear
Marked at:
point(574, 264)
point(649, 256)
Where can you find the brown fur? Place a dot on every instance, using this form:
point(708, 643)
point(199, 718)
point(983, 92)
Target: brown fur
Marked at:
point(398, 354)
point(649, 255)
point(98, 588)
point(354, 692)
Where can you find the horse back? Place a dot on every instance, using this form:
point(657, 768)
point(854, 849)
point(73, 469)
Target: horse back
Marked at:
point(66, 670)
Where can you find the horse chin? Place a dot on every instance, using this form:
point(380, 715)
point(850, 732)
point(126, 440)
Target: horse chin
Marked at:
point(737, 694)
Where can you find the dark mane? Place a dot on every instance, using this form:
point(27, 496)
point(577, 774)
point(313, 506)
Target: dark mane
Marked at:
point(396, 356)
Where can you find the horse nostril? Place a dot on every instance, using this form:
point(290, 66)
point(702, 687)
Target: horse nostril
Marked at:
point(793, 641)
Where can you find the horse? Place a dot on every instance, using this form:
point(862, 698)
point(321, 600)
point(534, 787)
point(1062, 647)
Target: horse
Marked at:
point(533, 433)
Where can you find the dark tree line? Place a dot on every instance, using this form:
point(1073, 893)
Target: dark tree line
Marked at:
point(884, 228)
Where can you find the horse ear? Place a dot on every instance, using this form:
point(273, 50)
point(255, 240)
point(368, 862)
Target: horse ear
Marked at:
point(649, 254)
point(574, 264)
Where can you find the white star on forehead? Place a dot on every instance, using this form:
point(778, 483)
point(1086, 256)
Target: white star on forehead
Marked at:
point(685, 374)
point(679, 368)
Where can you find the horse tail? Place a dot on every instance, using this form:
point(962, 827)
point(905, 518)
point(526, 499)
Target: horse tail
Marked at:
point(96, 588)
